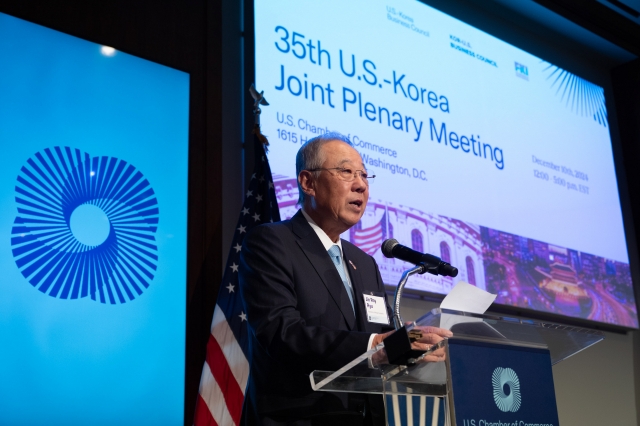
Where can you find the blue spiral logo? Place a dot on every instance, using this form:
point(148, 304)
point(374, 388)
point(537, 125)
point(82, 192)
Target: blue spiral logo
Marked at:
point(85, 226)
point(506, 389)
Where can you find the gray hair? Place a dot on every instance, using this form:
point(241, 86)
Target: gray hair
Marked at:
point(310, 156)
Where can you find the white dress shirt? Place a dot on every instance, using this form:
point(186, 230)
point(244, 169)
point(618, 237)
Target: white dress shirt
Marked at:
point(327, 243)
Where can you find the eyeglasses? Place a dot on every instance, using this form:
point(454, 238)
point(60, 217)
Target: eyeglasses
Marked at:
point(348, 174)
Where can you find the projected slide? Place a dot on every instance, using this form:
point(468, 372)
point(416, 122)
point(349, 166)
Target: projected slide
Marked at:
point(486, 156)
point(93, 190)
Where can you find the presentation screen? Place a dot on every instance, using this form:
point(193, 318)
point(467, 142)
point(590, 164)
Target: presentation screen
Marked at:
point(93, 221)
point(485, 155)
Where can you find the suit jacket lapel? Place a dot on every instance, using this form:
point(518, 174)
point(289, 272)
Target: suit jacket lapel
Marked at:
point(358, 286)
point(322, 263)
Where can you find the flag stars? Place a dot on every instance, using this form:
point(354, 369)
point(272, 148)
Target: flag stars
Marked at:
point(249, 193)
point(258, 198)
point(245, 211)
point(242, 229)
point(238, 247)
point(256, 217)
point(231, 288)
point(261, 179)
point(234, 267)
point(270, 185)
point(253, 176)
point(243, 316)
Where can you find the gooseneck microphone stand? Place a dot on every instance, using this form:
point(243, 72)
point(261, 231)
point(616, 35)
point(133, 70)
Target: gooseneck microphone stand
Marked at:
point(420, 268)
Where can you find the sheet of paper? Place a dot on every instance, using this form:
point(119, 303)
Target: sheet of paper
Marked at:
point(466, 298)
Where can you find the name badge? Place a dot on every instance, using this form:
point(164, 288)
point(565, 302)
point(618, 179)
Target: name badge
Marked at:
point(376, 309)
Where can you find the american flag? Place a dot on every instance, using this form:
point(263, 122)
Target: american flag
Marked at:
point(226, 369)
point(370, 239)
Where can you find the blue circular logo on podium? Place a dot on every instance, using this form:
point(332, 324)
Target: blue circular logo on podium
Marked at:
point(85, 226)
point(506, 389)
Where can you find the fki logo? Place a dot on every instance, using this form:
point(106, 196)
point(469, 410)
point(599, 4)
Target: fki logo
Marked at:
point(522, 71)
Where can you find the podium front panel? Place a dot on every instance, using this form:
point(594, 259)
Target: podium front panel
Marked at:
point(493, 384)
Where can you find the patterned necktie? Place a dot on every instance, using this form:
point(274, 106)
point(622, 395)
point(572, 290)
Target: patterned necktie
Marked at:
point(334, 253)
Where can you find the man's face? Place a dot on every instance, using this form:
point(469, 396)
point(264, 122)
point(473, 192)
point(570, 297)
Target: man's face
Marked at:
point(340, 203)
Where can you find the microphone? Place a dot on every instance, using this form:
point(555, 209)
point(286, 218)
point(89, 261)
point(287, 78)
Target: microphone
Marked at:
point(391, 248)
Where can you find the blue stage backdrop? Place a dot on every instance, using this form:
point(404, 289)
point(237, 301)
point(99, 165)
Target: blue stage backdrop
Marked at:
point(93, 221)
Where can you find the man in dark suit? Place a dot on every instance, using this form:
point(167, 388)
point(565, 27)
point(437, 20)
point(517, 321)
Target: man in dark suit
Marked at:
point(303, 289)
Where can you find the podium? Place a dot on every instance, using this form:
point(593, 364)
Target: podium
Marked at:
point(496, 370)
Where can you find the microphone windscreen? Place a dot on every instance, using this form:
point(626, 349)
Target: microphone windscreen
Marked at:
point(387, 247)
point(450, 271)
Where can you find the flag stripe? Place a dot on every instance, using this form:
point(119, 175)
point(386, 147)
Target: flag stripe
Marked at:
point(369, 241)
point(232, 351)
point(370, 232)
point(203, 415)
point(212, 395)
point(217, 362)
point(370, 251)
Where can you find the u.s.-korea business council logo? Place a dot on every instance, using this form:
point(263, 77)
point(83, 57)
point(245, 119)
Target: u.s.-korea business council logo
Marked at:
point(85, 226)
point(506, 389)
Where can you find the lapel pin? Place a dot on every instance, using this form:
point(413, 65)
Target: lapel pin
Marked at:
point(354, 266)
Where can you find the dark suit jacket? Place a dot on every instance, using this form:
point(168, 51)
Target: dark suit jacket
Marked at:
point(300, 320)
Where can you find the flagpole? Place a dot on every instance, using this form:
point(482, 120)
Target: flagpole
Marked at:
point(386, 213)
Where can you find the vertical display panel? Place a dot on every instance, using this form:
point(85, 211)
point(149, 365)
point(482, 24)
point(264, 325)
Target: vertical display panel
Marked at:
point(486, 156)
point(93, 220)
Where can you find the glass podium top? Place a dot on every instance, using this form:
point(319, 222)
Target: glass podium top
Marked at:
point(369, 373)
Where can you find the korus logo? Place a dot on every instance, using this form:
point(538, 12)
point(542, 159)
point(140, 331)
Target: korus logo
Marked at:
point(506, 389)
point(522, 71)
